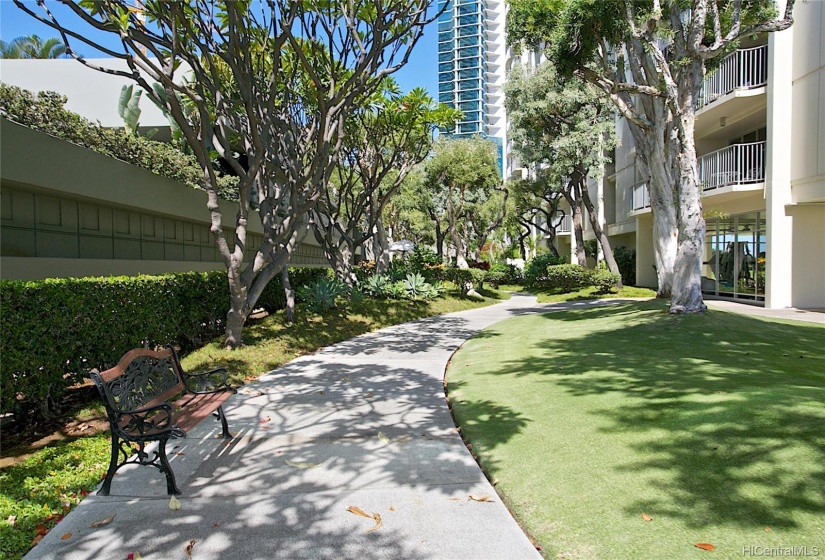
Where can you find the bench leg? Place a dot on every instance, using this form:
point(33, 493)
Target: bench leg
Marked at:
point(225, 428)
point(171, 487)
point(107, 482)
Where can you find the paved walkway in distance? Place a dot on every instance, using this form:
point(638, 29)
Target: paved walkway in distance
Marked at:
point(370, 412)
point(791, 314)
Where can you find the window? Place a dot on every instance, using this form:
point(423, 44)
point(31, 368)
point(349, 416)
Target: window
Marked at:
point(445, 87)
point(445, 97)
point(445, 47)
point(445, 77)
point(468, 74)
point(469, 106)
point(469, 31)
point(472, 95)
point(468, 52)
point(446, 66)
point(468, 42)
point(468, 63)
point(445, 56)
point(468, 19)
point(465, 128)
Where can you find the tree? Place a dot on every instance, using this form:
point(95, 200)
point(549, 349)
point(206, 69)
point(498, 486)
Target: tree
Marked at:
point(566, 127)
point(460, 177)
point(536, 205)
point(650, 58)
point(268, 87)
point(411, 214)
point(32, 46)
point(385, 140)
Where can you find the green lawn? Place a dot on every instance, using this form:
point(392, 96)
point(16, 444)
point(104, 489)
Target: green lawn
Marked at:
point(554, 296)
point(36, 493)
point(712, 425)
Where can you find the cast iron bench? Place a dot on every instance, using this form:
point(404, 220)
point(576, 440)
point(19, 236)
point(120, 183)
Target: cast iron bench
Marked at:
point(148, 397)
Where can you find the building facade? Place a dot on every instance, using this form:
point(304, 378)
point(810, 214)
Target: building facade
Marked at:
point(760, 140)
point(471, 68)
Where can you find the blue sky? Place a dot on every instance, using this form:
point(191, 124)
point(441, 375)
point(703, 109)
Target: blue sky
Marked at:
point(421, 71)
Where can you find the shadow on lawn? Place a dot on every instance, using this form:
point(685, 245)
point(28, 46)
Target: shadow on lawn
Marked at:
point(739, 402)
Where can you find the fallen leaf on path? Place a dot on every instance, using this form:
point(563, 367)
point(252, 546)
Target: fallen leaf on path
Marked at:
point(41, 529)
point(392, 508)
point(181, 454)
point(358, 511)
point(103, 522)
point(383, 437)
point(378, 523)
point(37, 539)
point(188, 549)
point(456, 499)
point(646, 517)
point(250, 392)
point(298, 465)
point(480, 498)
point(705, 546)
point(174, 503)
point(66, 536)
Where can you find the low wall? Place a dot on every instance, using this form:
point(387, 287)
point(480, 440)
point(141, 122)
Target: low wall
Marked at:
point(66, 211)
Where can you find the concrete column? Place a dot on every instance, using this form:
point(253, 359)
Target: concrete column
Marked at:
point(779, 256)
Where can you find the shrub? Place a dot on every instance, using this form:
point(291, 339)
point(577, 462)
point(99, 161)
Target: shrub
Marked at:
point(376, 286)
point(495, 278)
point(535, 271)
point(604, 280)
point(478, 275)
point(415, 286)
point(55, 330)
point(512, 275)
point(398, 270)
point(461, 277)
point(321, 294)
point(566, 277)
point(626, 261)
point(45, 112)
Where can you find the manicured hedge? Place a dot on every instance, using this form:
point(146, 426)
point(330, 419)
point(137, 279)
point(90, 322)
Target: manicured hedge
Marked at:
point(55, 330)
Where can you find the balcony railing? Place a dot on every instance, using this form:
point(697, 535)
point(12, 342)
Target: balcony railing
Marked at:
point(639, 197)
point(743, 69)
point(739, 164)
point(564, 224)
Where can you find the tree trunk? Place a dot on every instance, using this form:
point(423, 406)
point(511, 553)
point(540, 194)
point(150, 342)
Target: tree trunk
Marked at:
point(600, 235)
point(289, 295)
point(238, 309)
point(380, 243)
point(574, 200)
point(687, 269)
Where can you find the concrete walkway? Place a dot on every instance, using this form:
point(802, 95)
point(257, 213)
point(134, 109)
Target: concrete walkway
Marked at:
point(370, 412)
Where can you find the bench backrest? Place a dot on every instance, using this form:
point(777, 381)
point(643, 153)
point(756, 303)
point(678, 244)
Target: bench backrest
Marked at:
point(141, 378)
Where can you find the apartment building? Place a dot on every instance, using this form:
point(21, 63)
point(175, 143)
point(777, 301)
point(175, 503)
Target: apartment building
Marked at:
point(471, 68)
point(760, 138)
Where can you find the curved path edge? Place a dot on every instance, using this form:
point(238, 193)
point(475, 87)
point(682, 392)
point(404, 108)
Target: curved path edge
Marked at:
point(361, 423)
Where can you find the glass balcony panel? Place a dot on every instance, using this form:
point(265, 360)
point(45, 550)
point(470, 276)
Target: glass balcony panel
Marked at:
point(446, 36)
point(469, 9)
point(469, 42)
point(471, 117)
point(468, 19)
point(468, 53)
point(469, 106)
point(445, 97)
point(445, 47)
point(469, 128)
point(445, 87)
point(473, 95)
point(469, 84)
point(445, 26)
point(468, 74)
point(468, 63)
point(445, 77)
point(445, 56)
point(446, 66)
point(446, 16)
point(469, 31)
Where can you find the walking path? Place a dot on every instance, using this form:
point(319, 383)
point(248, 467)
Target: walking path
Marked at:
point(362, 423)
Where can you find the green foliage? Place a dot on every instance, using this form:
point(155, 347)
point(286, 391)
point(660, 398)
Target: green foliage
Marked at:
point(128, 107)
point(321, 294)
point(461, 277)
point(565, 277)
point(45, 112)
point(415, 285)
point(377, 286)
point(626, 261)
point(535, 271)
point(604, 281)
point(478, 275)
point(426, 262)
point(32, 46)
point(55, 330)
point(512, 274)
point(496, 278)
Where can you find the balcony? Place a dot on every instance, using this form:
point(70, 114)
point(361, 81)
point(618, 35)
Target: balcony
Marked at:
point(639, 197)
point(743, 69)
point(564, 224)
point(734, 166)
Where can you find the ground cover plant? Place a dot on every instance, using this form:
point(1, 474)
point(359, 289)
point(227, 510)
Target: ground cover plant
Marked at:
point(622, 432)
point(35, 493)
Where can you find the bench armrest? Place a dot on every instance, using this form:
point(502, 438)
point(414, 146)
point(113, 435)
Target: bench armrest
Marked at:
point(134, 424)
point(210, 381)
